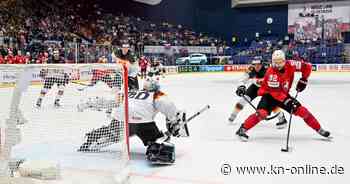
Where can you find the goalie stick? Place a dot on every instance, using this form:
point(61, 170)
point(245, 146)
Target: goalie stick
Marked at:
point(189, 119)
point(196, 114)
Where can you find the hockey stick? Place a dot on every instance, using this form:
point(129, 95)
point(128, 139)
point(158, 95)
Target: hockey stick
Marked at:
point(189, 119)
point(290, 122)
point(81, 84)
point(267, 118)
point(196, 114)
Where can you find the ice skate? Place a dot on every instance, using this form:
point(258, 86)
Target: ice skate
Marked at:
point(241, 134)
point(282, 122)
point(39, 102)
point(232, 118)
point(57, 103)
point(324, 133)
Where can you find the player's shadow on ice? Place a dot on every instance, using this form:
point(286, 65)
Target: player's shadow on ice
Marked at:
point(329, 82)
point(272, 139)
point(297, 138)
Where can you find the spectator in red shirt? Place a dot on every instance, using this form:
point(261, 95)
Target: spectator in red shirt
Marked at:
point(10, 58)
point(2, 60)
point(19, 59)
point(40, 59)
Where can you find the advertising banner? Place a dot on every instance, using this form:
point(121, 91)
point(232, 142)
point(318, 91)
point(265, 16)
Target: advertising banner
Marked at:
point(333, 67)
point(171, 69)
point(179, 49)
point(310, 20)
point(214, 68)
point(235, 68)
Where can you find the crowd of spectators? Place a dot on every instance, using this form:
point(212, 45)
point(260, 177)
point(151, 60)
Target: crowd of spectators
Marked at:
point(317, 51)
point(81, 31)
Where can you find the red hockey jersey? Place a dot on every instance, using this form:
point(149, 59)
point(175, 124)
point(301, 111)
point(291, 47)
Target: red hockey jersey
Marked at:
point(278, 83)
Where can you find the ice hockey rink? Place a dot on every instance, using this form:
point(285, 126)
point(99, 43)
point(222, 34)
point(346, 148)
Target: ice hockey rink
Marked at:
point(212, 144)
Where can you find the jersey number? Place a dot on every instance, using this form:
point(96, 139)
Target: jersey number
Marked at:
point(273, 81)
point(143, 95)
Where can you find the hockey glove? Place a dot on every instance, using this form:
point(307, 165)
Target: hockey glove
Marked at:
point(241, 91)
point(291, 104)
point(301, 85)
point(175, 128)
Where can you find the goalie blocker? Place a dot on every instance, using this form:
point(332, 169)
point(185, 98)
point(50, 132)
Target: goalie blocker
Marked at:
point(144, 105)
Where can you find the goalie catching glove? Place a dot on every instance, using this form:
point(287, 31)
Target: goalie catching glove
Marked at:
point(176, 126)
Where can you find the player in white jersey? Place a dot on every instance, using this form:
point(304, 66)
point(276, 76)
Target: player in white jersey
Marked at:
point(155, 69)
point(52, 76)
point(144, 105)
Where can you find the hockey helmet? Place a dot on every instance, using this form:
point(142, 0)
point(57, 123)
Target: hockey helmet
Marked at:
point(256, 60)
point(278, 59)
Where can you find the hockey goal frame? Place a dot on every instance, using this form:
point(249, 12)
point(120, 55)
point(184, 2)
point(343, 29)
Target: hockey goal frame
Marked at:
point(5, 150)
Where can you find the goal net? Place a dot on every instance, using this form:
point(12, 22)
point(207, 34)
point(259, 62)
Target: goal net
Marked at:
point(64, 123)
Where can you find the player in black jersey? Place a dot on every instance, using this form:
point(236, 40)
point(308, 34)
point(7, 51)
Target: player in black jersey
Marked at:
point(126, 55)
point(253, 77)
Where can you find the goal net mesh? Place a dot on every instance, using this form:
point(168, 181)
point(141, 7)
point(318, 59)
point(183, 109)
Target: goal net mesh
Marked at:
point(65, 119)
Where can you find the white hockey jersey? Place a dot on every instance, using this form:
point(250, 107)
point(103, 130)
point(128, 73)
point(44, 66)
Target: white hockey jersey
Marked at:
point(144, 106)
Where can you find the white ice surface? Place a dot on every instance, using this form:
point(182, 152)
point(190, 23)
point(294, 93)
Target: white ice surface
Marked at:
point(212, 142)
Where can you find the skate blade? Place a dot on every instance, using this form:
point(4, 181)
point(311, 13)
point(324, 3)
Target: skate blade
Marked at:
point(57, 106)
point(288, 150)
point(327, 139)
point(243, 139)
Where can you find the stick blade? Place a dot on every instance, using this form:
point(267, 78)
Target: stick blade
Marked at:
point(287, 149)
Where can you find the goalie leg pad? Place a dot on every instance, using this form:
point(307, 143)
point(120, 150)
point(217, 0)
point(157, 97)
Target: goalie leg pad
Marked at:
point(147, 132)
point(163, 153)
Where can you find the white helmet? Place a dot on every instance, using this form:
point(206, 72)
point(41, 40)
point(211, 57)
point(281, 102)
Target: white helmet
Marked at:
point(151, 85)
point(278, 59)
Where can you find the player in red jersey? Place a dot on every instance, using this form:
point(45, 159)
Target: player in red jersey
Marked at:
point(143, 65)
point(275, 93)
point(107, 76)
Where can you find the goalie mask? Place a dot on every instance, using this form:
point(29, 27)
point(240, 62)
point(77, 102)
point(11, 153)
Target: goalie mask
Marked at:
point(151, 85)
